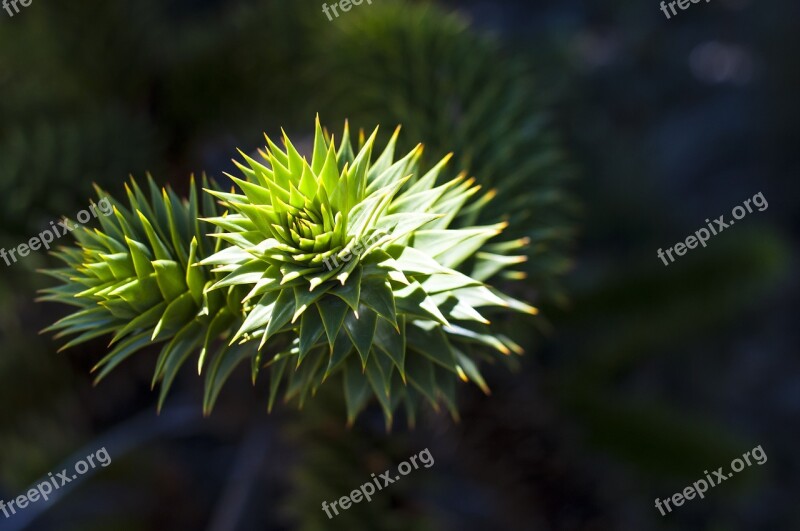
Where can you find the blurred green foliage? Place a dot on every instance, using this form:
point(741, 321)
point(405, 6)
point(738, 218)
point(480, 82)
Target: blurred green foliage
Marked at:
point(457, 90)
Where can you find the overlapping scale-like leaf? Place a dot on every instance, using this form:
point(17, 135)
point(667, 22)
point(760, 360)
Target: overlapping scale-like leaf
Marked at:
point(352, 269)
point(138, 279)
point(355, 265)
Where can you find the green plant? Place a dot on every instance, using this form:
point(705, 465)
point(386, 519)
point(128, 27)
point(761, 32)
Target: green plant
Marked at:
point(455, 89)
point(136, 279)
point(399, 314)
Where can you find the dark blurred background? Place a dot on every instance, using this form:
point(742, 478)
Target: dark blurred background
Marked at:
point(612, 132)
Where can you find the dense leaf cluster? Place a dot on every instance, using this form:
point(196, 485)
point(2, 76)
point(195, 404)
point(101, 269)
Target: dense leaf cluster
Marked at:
point(401, 313)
